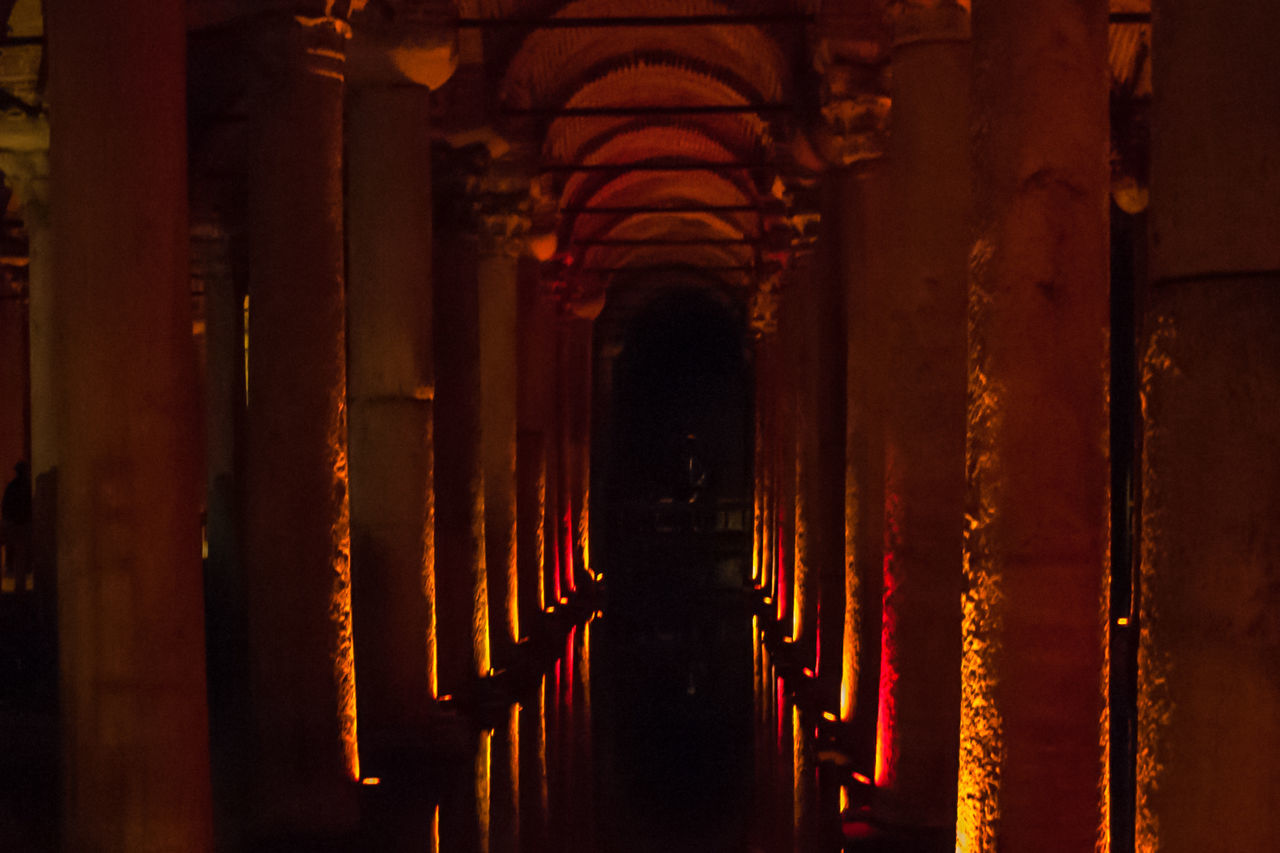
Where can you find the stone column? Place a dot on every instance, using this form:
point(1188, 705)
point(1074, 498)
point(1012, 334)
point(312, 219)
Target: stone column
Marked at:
point(786, 464)
point(863, 238)
point(573, 445)
point(764, 326)
point(297, 522)
point(1209, 687)
point(577, 378)
point(1032, 736)
point(134, 722)
point(502, 233)
point(535, 397)
point(462, 591)
point(390, 397)
point(925, 417)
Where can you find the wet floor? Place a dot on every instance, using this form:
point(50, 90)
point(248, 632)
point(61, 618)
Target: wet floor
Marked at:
point(654, 731)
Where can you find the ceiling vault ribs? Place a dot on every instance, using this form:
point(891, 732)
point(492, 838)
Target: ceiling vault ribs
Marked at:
point(662, 130)
point(633, 21)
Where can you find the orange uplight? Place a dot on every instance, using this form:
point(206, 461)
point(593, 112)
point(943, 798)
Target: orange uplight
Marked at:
point(808, 673)
point(827, 715)
point(371, 780)
point(448, 697)
point(861, 779)
point(343, 653)
point(483, 786)
point(982, 752)
point(1122, 621)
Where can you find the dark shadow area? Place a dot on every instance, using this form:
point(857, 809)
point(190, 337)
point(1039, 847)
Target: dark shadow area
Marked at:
point(675, 651)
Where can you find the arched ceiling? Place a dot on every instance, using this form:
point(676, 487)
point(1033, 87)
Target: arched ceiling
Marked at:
point(658, 139)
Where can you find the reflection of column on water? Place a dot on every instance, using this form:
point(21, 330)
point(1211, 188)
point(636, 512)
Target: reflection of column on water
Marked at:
point(505, 790)
point(484, 763)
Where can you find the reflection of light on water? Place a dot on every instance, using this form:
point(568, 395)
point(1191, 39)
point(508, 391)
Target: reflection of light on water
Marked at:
point(542, 749)
point(513, 766)
point(800, 775)
point(484, 758)
point(435, 831)
point(585, 673)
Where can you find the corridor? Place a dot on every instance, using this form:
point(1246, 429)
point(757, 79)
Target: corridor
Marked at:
point(767, 426)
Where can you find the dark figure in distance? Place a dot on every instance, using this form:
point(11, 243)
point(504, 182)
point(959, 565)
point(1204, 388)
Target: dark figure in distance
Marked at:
point(15, 520)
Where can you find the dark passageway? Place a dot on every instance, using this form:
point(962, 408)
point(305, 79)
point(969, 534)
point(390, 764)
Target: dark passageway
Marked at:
point(615, 426)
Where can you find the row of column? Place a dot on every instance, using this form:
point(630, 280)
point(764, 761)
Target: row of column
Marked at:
point(974, 579)
point(389, 470)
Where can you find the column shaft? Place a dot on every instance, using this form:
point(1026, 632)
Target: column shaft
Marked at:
point(1032, 740)
point(462, 592)
point(863, 239)
point(297, 523)
point(498, 275)
point(390, 394)
point(135, 727)
point(535, 332)
point(829, 387)
point(925, 417)
point(1209, 688)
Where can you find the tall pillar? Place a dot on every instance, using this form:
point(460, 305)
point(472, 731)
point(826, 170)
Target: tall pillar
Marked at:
point(785, 451)
point(577, 377)
point(501, 244)
point(925, 418)
point(391, 386)
point(462, 591)
point(1033, 669)
point(863, 237)
point(297, 523)
point(1209, 687)
point(135, 728)
point(535, 396)
point(764, 327)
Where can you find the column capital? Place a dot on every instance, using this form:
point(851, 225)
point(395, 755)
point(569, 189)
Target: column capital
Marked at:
point(851, 59)
point(301, 44)
point(24, 159)
point(763, 303)
point(930, 22)
point(404, 42)
point(854, 114)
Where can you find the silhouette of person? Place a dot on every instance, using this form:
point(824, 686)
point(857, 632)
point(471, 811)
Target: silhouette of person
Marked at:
point(15, 521)
point(689, 472)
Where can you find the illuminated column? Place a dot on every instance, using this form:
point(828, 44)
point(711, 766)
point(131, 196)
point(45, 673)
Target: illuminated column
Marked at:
point(131, 638)
point(462, 594)
point(390, 397)
point(1033, 669)
point(297, 521)
point(828, 388)
point(819, 520)
point(574, 444)
point(578, 379)
point(502, 240)
point(925, 418)
point(764, 326)
point(1209, 688)
point(785, 451)
point(862, 240)
point(535, 319)
point(851, 140)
